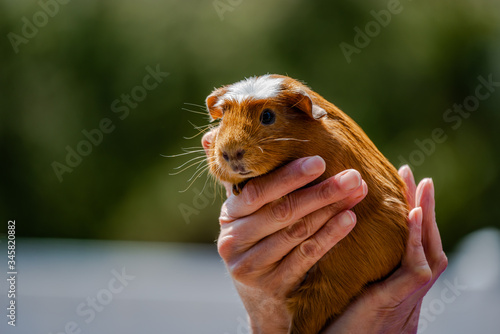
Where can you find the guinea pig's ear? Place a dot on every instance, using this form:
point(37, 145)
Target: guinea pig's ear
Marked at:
point(304, 103)
point(215, 110)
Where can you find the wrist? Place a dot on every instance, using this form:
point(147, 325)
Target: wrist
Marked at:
point(265, 314)
point(269, 318)
point(268, 325)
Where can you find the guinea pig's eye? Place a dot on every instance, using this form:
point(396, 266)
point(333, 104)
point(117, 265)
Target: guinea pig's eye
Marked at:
point(267, 117)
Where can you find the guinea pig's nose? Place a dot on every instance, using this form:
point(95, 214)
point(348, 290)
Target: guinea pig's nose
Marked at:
point(234, 155)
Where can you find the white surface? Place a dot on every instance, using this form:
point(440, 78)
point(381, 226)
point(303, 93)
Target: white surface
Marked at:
point(185, 289)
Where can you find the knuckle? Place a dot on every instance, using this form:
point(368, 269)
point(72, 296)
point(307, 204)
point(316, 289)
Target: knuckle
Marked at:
point(326, 190)
point(299, 230)
point(241, 269)
point(252, 192)
point(422, 275)
point(442, 262)
point(223, 219)
point(416, 243)
point(225, 213)
point(331, 229)
point(226, 246)
point(310, 249)
point(290, 173)
point(334, 208)
point(281, 210)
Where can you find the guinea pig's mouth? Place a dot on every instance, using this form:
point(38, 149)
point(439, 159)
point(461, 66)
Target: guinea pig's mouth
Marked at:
point(245, 173)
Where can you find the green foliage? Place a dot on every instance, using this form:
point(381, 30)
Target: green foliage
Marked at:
point(398, 87)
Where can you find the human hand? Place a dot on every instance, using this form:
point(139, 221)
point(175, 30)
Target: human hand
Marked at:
point(393, 305)
point(272, 234)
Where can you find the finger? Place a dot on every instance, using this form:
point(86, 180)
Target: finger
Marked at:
point(267, 188)
point(431, 238)
point(255, 263)
point(414, 254)
point(292, 207)
point(414, 272)
point(407, 175)
point(276, 246)
point(303, 257)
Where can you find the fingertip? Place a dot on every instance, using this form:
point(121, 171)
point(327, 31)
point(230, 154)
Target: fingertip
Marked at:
point(349, 180)
point(404, 170)
point(313, 165)
point(416, 216)
point(358, 195)
point(431, 189)
point(347, 218)
point(425, 188)
point(415, 219)
point(365, 188)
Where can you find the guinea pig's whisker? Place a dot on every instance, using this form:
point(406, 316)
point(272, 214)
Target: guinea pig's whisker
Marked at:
point(195, 112)
point(190, 160)
point(195, 135)
point(200, 167)
point(216, 186)
point(204, 186)
point(264, 140)
point(201, 129)
point(185, 168)
point(260, 148)
point(302, 140)
point(196, 105)
point(181, 154)
point(186, 149)
point(195, 178)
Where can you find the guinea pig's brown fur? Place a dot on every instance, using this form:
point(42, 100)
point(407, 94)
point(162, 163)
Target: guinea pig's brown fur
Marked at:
point(250, 141)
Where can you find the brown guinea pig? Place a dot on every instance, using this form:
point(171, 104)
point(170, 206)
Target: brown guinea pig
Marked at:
point(270, 120)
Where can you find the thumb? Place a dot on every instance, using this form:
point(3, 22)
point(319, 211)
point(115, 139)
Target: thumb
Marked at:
point(414, 272)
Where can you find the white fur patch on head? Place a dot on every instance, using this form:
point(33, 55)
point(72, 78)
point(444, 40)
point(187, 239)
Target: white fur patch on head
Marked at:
point(252, 88)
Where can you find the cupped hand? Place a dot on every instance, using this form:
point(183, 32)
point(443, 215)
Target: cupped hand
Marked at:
point(272, 233)
point(393, 305)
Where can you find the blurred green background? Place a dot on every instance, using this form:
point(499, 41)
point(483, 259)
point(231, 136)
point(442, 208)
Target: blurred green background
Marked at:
point(67, 66)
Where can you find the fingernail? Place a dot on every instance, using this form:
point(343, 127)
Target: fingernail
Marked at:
point(365, 188)
point(350, 180)
point(416, 215)
point(347, 218)
point(313, 165)
point(405, 170)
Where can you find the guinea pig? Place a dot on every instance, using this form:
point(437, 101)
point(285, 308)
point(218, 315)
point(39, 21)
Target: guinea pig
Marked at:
point(268, 121)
